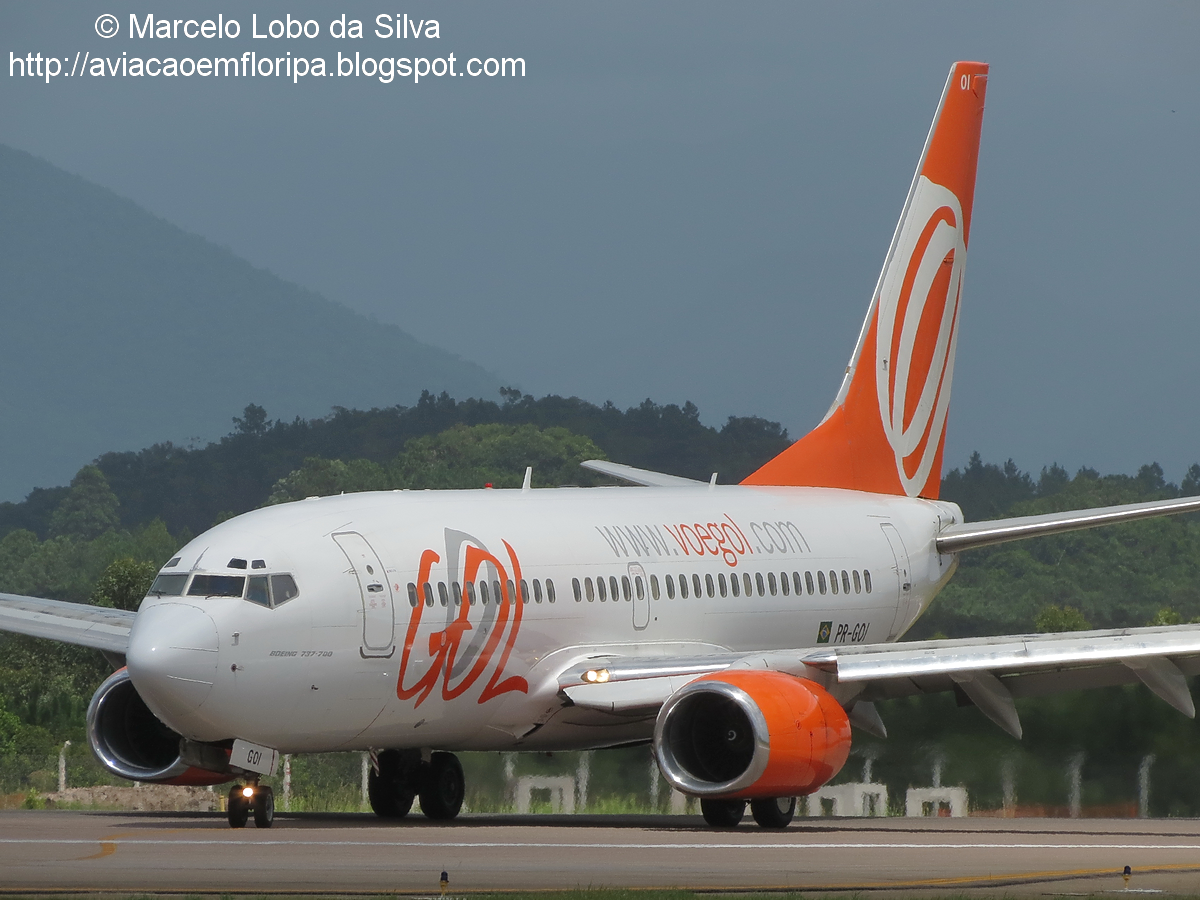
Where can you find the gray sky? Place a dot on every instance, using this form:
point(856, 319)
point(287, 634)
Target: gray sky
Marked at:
point(691, 201)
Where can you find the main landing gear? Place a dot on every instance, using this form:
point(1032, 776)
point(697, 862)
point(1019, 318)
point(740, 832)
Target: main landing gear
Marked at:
point(245, 799)
point(768, 812)
point(399, 776)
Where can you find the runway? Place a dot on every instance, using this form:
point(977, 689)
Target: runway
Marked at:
point(44, 851)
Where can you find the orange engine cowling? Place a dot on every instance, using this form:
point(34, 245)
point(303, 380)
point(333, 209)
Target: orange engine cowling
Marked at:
point(749, 734)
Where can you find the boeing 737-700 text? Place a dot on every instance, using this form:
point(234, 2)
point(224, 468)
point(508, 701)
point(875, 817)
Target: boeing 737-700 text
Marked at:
point(741, 629)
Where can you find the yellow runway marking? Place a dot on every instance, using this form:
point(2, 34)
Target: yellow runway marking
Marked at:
point(108, 846)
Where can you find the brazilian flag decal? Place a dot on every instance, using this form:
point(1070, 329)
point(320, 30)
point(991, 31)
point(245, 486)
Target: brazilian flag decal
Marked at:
point(823, 632)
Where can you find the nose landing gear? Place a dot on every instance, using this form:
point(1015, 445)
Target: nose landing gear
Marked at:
point(247, 798)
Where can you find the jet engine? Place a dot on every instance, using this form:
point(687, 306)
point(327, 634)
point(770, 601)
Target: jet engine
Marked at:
point(751, 734)
point(131, 742)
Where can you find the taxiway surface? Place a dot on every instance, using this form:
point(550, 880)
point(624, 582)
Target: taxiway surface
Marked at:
point(313, 853)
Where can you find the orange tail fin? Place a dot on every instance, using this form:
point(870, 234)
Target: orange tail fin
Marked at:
point(887, 427)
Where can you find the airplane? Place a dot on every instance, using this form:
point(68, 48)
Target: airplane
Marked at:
point(744, 631)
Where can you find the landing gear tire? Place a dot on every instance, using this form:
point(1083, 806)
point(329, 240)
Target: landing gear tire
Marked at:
point(238, 808)
point(390, 790)
point(773, 812)
point(723, 813)
point(443, 788)
point(264, 807)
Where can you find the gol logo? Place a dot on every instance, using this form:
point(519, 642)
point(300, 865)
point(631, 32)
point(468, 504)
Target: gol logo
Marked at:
point(918, 330)
point(456, 660)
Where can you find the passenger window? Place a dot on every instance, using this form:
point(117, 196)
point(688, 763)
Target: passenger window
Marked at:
point(483, 592)
point(670, 587)
point(168, 585)
point(497, 594)
point(587, 584)
point(721, 584)
point(428, 589)
point(758, 581)
point(442, 592)
point(857, 583)
point(683, 587)
point(821, 582)
point(524, 591)
point(639, 588)
point(708, 582)
point(576, 590)
point(771, 583)
point(833, 585)
point(625, 592)
point(457, 593)
point(283, 589)
point(256, 590)
point(537, 591)
point(217, 586)
point(654, 586)
point(412, 595)
point(614, 588)
point(783, 583)
point(797, 585)
point(747, 585)
point(697, 590)
point(845, 582)
point(867, 580)
point(735, 585)
point(808, 583)
point(471, 592)
point(549, 590)
point(601, 589)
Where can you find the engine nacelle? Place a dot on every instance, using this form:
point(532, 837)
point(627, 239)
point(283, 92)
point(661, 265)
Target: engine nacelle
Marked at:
point(748, 734)
point(130, 741)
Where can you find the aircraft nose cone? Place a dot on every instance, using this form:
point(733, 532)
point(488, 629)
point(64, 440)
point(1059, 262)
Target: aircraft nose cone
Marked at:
point(172, 660)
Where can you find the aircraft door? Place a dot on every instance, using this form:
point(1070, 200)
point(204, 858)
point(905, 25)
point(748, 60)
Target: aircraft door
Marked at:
point(379, 625)
point(641, 596)
point(904, 592)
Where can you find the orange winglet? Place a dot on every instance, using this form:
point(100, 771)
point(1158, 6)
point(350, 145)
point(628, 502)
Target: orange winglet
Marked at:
point(886, 430)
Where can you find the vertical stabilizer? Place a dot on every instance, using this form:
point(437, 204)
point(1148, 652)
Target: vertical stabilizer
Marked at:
point(887, 427)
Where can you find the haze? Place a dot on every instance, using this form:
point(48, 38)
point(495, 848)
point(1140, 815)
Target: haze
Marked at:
point(691, 201)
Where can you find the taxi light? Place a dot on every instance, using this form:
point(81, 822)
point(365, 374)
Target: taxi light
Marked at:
point(596, 676)
point(247, 791)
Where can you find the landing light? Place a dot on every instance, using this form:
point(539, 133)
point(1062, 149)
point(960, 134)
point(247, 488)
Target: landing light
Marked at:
point(247, 791)
point(596, 676)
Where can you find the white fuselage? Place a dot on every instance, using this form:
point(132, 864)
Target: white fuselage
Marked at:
point(351, 663)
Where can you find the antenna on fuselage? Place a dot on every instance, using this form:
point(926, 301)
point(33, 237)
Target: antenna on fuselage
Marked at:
point(528, 483)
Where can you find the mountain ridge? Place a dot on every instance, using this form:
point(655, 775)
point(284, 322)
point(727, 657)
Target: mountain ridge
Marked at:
point(122, 329)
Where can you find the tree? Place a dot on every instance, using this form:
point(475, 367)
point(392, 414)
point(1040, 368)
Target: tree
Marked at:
point(253, 421)
point(123, 583)
point(1055, 618)
point(89, 510)
point(325, 477)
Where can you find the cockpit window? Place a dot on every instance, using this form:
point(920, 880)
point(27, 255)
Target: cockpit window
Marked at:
point(283, 588)
point(168, 585)
point(217, 586)
point(256, 591)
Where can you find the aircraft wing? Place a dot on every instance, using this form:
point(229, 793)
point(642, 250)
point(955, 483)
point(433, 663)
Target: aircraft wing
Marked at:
point(634, 475)
point(990, 672)
point(73, 623)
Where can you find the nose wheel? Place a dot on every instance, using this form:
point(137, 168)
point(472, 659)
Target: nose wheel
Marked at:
point(245, 799)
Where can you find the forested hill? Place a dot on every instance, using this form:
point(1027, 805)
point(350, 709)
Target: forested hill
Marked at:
point(191, 489)
point(121, 329)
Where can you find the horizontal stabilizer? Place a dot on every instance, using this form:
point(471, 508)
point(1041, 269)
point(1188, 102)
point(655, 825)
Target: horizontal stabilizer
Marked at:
point(633, 475)
point(983, 534)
